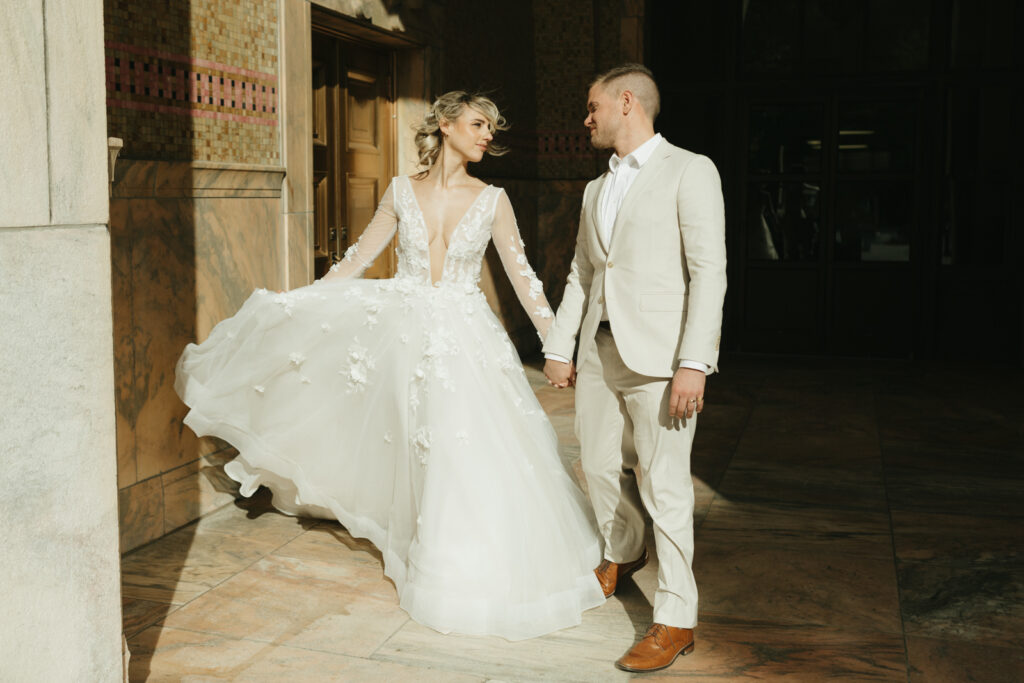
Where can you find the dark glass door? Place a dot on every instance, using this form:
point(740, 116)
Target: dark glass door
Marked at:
point(830, 225)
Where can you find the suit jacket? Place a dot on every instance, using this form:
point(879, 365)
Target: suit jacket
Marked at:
point(661, 280)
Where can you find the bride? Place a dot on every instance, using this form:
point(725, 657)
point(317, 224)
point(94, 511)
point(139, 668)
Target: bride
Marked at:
point(400, 408)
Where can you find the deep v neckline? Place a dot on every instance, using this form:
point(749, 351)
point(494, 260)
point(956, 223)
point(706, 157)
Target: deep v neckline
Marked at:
point(451, 238)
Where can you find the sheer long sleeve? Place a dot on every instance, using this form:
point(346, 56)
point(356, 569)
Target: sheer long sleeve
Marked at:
point(510, 246)
point(375, 238)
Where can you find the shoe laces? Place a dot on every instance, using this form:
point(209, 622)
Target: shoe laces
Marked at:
point(660, 634)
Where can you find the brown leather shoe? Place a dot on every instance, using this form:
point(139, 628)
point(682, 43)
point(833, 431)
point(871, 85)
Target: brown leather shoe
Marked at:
point(658, 649)
point(609, 573)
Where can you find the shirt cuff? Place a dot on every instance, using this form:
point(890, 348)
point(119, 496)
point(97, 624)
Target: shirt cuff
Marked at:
point(555, 356)
point(695, 365)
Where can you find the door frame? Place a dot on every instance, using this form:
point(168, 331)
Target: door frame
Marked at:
point(414, 80)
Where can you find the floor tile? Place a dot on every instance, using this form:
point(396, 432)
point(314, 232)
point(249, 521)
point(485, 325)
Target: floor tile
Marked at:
point(980, 604)
point(330, 607)
point(794, 486)
point(824, 419)
point(957, 661)
point(161, 654)
point(801, 528)
point(753, 581)
point(939, 419)
point(952, 459)
point(331, 543)
point(734, 651)
point(809, 474)
point(283, 663)
point(956, 538)
point(138, 615)
point(269, 528)
point(856, 456)
point(185, 564)
point(923, 491)
point(584, 653)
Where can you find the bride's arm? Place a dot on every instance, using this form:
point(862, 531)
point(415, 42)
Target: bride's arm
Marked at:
point(371, 243)
point(508, 242)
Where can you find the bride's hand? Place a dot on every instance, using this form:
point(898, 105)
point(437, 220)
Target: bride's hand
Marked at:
point(559, 374)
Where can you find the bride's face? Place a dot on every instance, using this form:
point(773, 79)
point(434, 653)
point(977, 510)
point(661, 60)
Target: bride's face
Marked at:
point(468, 135)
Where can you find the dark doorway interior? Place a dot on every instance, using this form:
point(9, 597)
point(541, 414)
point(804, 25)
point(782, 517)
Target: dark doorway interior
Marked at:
point(869, 155)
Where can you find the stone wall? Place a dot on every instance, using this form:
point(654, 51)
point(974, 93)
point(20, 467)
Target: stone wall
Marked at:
point(196, 224)
point(59, 563)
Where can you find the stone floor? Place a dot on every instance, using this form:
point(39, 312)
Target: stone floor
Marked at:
point(855, 521)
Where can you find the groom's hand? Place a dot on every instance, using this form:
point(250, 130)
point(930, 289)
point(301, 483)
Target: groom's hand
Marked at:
point(559, 374)
point(687, 393)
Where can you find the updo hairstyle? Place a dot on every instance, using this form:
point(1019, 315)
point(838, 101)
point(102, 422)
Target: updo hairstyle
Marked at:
point(448, 107)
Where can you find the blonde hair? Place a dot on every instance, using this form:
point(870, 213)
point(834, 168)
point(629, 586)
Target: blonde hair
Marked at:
point(635, 78)
point(449, 107)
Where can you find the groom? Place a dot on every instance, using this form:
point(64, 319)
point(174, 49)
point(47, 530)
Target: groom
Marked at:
point(645, 294)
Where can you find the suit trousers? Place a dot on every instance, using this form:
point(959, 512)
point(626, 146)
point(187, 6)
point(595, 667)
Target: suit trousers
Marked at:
point(635, 457)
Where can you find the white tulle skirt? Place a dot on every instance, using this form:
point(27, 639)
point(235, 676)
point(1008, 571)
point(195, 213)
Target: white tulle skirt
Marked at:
point(402, 411)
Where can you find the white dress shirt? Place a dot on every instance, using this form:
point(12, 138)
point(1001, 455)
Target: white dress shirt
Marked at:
point(621, 174)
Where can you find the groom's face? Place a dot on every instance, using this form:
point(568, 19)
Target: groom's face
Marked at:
point(603, 117)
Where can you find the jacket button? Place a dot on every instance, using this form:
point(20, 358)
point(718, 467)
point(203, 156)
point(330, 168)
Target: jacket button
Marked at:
point(600, 299)
point(611, 265)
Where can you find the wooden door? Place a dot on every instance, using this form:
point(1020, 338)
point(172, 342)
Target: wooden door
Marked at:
point(353, 146)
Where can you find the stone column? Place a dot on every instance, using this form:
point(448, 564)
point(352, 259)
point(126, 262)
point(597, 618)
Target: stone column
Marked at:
point(58, 537)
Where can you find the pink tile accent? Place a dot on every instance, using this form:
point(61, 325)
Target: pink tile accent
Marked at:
point(192, 61)
point(184, 111)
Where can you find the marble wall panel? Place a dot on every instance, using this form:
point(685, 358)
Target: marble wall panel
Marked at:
point(182, 263)
point(298, 229)
point(296, 106)
point(124, 349)
point(141, 513)
point(57, 470)
point(215, 179)
point(24, 174)
point(237, 250)
point(193, 490)
point(134, 178)
point(76, 112)
point(163, 310)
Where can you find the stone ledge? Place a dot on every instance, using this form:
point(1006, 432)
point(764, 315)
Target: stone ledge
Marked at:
point(145, 178)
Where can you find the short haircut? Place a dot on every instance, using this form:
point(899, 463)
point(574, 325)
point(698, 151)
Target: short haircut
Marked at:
point(636, 78)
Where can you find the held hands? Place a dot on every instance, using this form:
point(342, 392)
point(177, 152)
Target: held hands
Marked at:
point(559, 374)
point(687, 393)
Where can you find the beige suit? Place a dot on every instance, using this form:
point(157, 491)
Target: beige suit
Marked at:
point(661, 284)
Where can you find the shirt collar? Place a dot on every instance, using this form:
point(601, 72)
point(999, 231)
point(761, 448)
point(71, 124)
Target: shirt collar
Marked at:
point(639, 156)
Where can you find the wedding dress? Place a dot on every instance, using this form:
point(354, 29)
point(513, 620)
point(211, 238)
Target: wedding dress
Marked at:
point(400, 408)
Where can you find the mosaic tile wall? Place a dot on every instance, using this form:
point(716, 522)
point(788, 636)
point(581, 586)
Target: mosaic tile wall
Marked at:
point(193, 80)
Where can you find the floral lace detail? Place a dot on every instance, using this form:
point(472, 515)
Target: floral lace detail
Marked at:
point(358, 367)
point(413, 243)
point(419, 444)
point(469, 241)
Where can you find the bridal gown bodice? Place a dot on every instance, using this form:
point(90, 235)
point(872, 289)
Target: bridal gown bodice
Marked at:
point(488, 217)
point(400, 408)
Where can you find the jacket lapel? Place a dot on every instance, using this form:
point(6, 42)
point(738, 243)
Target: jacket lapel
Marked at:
point(647, 176)
point(592, 210)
